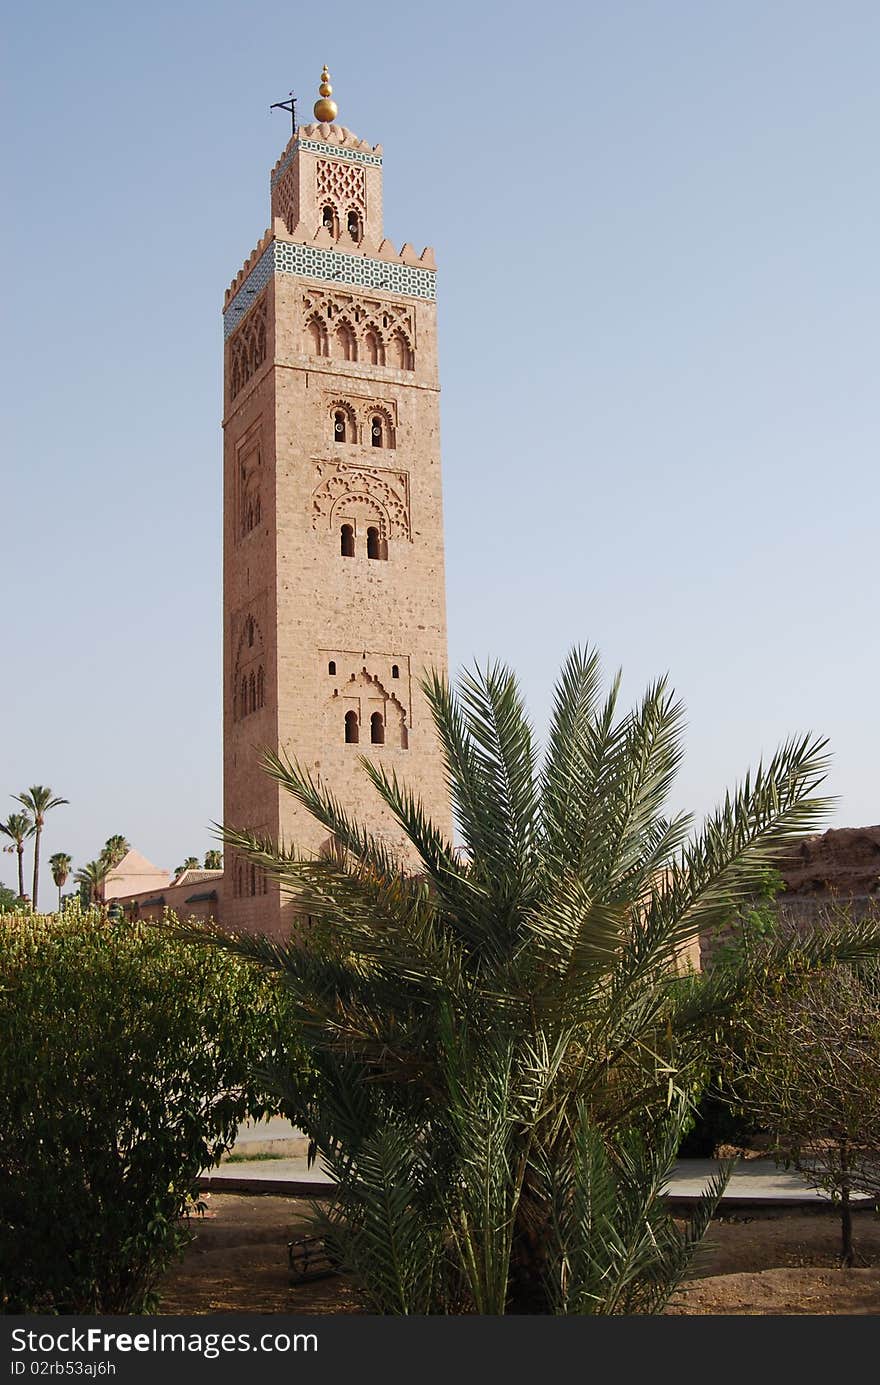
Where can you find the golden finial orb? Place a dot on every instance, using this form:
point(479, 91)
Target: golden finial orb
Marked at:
point(325, 109)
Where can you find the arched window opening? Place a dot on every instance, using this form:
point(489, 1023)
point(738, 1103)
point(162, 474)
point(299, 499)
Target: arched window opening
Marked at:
point(376, 431)
point(401, 353)
point(239, 881)
point(346, 341)
point(351, 728)
point(395, 671)
point(377, 729)
point(261, 686)
point(328, 220)
point(374, 349)
point(250, 632)
point(331, 668)
point(374, 543)
point(242, 711)
point(252, 694)
point(339, 432)
point(317, 337)
point(347, 541)
point(253, 880)
point(354, 226)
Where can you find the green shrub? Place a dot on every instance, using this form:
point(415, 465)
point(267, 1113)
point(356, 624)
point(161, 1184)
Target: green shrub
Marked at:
point(127, 1062)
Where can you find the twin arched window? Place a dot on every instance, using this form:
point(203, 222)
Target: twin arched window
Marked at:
point(378, 431)
point(377, 547)
point(377, 730)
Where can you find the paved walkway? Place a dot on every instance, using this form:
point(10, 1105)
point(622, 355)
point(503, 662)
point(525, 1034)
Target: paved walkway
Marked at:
point(757, 1182)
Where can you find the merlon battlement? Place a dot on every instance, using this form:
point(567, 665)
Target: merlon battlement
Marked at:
point(385, 251)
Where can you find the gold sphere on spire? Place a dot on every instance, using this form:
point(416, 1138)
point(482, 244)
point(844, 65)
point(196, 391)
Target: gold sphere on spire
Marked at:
point(325, 109)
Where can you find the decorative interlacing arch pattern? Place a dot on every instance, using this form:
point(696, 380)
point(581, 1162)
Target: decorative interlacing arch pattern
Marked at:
point(249, 676)
point(380, 493)
point(356, 327)
point(345, 183)
point(284, 201)
point(247, 348)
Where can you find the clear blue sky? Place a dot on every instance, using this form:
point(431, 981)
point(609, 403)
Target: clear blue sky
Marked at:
point(657, 229)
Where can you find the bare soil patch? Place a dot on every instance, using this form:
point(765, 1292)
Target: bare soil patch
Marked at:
point(767, 1261)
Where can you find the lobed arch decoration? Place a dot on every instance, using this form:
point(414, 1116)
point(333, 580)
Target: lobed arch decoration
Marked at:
point(317, 336)
point(399, 354)
point(249, 492)
point(345, 343)
point(249, 677)
point(246, 349)
point(370, 424)
point(344, 424)
point(371, 494)
point(380, 426)
point(377, 333)
point(364, 713)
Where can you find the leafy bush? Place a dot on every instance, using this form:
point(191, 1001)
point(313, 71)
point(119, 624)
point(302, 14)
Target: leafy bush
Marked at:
point(811, 1073)
point(126, 1065)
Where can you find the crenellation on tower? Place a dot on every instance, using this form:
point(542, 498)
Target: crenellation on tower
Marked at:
point(334, 598)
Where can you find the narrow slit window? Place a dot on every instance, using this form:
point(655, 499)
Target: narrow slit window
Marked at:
point(331, 668)
point(395, 671)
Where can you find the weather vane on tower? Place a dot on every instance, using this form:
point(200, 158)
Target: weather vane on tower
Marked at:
point(325, 109)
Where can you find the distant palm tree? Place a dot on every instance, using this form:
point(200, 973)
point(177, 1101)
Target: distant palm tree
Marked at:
point(92, 875)
point(213, 860)
point(114, 849)
point(37, 800)
point(18, 826)
point(191, 863)
point(60, 864)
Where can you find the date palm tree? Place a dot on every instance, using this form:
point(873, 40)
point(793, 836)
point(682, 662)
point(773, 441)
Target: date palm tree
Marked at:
point(213, 860)
point(38, 801)
point(503, 1040)
point(115, 848)
point(60, 864)
point(191, 863)
point(18, 827)
point(92, 876)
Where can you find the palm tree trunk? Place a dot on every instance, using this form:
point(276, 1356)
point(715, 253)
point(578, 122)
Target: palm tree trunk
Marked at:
point(37, 835)
point(847, 1255)
point(21, 870)
point(59, 899)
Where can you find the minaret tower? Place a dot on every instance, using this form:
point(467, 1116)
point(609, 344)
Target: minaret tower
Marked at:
point(333, 580)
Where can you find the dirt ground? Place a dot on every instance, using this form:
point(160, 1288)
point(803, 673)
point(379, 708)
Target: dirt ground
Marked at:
point(765, 1261)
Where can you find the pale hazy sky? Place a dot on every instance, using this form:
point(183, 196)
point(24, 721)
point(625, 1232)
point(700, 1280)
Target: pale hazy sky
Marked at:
point(657, 228)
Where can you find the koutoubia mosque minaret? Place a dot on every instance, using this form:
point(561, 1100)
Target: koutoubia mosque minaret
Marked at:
point(333, 578)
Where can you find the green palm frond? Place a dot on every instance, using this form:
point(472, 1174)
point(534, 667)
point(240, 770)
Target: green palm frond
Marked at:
point(502, 1043)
